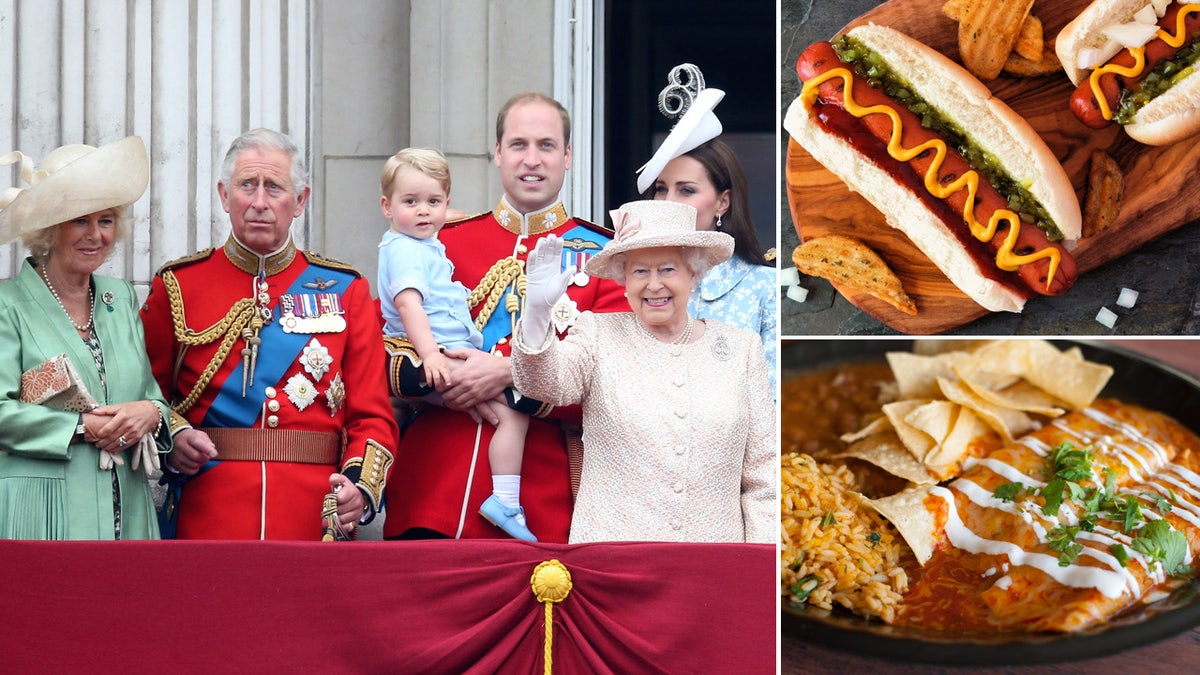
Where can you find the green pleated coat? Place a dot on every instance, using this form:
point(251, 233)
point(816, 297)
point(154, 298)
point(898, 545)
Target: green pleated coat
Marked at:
point(51, 488)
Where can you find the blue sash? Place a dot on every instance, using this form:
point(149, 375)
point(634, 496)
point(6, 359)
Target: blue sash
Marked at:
point(275, 354)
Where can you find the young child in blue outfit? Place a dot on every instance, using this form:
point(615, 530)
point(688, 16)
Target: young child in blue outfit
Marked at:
point(421, 301)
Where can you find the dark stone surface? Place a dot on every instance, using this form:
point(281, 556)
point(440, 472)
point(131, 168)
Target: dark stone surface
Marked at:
point(1165, 272)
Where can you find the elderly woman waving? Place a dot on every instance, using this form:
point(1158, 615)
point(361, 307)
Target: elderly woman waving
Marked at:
point(79, 409)
point(678, 418)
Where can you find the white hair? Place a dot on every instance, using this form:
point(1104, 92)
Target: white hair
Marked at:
point(695, 258)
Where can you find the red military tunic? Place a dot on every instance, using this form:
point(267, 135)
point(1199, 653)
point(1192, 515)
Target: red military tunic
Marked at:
point(442, 473)
point(325, 373)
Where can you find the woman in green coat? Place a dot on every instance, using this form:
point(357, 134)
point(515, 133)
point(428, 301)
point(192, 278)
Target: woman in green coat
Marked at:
point(75, 466)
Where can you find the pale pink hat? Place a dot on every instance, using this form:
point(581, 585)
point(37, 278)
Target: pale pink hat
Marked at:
point(654, 224)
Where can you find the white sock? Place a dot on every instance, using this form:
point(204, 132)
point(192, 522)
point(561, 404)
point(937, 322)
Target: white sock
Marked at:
point(507, 489)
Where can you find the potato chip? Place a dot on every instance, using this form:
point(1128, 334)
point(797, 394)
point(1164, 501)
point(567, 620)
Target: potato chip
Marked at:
point(1008, 423)
point(1029, 40)
point(916, 523)
point(1020, 66)
point(987, 31)
point(846, 260)
point(885, 451)
point(1105, 193)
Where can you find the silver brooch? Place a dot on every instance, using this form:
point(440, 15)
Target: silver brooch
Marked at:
point(720, 349)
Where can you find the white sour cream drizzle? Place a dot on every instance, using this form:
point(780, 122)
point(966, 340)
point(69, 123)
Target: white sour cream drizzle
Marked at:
point(1110, 578)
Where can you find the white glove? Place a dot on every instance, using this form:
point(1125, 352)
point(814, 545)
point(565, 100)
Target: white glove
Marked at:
point(146, 454)
point(545, 283)
point(110, 459)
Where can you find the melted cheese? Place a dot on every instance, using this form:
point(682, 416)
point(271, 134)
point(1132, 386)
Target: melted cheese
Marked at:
point(1006, 258)
point(1139, 59)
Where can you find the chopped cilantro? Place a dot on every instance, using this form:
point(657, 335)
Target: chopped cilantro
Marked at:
point(797, 563)
point(803, 588)
point(1009, 491)
point(1062, 539)
point(829, 519)
point(1120, 554)
point(874, 538)
point(1163, 544)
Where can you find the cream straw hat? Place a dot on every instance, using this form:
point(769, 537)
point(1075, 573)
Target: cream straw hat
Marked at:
point(653, 224)
point(73, 181)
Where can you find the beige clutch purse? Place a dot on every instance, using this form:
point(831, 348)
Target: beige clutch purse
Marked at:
point(56, 384)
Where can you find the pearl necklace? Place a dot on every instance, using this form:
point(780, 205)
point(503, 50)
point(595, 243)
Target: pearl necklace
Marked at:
point(682, 338)
point(85, 328)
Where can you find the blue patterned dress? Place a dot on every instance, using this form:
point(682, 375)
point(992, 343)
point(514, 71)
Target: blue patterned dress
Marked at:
point(744, 295)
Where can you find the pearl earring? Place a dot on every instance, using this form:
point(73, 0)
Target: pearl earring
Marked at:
point(718, 221)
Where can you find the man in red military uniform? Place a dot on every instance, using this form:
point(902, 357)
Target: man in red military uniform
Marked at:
point(443, 474)
point(272, 359)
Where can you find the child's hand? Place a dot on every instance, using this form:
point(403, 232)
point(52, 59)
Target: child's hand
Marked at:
point(437, 370)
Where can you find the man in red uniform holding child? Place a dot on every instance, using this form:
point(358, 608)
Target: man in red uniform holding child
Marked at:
point(442, 474)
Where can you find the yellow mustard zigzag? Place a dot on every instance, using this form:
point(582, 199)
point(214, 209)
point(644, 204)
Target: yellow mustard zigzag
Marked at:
point(1139, 59)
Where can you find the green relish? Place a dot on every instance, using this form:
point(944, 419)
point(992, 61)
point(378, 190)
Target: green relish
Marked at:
point(870, 66)
point(1164, 76)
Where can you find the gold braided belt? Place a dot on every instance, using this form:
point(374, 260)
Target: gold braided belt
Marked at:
point(276, 445)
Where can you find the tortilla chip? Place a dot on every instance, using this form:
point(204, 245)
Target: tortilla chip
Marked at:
point(877, 426)
point(935, 346)
point(1008, 423)
point(1020, 396)
point(1065, 376)
point(846, 260)
point(918, 442)
point(887, 452)
point(945, 461)
point(907, 511)
point(916, 375)
point(935, 419)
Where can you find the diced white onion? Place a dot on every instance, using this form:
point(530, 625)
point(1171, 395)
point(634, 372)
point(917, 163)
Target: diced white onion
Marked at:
point(1127, 298)
point(1146, 15)
point(1091, 57)
point(789, 276)
point(1130, 35)
point(1160, 6)
point(1106, 317)
point(797, 293)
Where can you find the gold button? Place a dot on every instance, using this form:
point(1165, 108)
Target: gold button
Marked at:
point(522, 249)
point(273, 405)
point(270, 392)
point(272, 421)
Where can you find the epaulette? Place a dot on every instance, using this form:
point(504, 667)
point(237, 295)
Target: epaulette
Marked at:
point(315, 258)
point(185, 260)
point(465, 219)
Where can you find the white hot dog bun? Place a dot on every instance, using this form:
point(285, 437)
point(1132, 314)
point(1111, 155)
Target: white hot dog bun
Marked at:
point(1168, 117)
point(990, 124)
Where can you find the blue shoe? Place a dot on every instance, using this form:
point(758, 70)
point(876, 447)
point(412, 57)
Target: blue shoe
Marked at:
point(505, 518)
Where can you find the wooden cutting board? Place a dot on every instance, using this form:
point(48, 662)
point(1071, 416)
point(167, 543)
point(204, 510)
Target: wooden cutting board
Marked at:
point(1162, 185)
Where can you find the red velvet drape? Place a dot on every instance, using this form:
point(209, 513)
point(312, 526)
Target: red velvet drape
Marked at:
point(387, 607)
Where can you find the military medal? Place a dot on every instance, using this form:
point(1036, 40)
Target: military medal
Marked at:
point(300, 391)
point(581, 278)
point(563, 313)
point(335, 395)
point(316, 359)
point(312, 313)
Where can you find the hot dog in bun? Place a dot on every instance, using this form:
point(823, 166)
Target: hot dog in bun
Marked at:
point(1133, 63)
point(967, 180)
